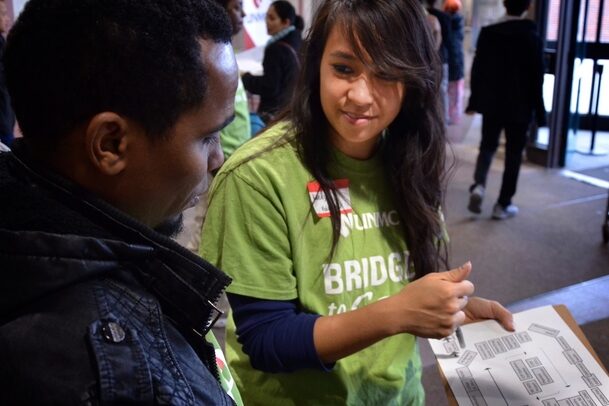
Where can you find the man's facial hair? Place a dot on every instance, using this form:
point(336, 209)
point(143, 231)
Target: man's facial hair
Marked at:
point(171, 227)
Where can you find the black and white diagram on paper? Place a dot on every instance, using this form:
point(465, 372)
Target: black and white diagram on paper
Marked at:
point(541, 363)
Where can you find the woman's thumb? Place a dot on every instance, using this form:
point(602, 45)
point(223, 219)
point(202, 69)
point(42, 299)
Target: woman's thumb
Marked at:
point(459, 274)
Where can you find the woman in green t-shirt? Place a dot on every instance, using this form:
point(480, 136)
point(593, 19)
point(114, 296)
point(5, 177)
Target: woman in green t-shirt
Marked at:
point(330, 222)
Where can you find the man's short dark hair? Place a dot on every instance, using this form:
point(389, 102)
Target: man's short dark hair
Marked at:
point(67, 60)
point(516, 7)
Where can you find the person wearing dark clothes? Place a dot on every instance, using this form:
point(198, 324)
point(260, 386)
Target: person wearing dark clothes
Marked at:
point(280, 62)
point(445, 25)
point(7, 117)
point(456, 69)
point(120, 133)
point(506, 88)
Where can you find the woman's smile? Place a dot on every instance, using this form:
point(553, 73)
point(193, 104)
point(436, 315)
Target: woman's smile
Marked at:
point(356, 119)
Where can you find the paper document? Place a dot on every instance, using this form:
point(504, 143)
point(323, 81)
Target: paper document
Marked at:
point(541, 363)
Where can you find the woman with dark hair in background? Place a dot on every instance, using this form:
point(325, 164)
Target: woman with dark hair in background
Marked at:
point(280, 62)
point(330, 225)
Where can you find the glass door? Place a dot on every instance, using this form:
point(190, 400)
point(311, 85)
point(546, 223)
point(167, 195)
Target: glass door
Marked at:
point(583, 140)
point(590, 98)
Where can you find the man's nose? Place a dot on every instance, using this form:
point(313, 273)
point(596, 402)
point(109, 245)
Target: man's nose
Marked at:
point(216, 158)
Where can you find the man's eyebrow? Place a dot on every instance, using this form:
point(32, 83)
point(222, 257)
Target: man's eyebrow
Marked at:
point(343, 55)
point(221, 126)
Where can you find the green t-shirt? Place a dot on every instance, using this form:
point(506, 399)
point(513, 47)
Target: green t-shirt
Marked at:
point(239, 131)
point(226, 378)
point(262, 230)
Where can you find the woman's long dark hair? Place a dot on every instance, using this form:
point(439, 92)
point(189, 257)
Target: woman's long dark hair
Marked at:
point(394, 36)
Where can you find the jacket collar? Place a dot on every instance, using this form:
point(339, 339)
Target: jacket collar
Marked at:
point(506, 17)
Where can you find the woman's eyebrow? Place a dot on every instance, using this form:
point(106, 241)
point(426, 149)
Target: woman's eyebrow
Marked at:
point(343, 55)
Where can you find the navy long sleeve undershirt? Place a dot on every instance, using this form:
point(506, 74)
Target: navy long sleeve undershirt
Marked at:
point(275, 334)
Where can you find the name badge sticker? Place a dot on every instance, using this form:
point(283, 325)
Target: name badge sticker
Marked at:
point(320, 202)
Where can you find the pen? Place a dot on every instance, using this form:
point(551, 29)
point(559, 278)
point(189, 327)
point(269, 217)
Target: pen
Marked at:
point(459, 334)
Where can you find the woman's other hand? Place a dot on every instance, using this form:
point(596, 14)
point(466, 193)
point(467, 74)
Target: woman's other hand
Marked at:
point(483, 309)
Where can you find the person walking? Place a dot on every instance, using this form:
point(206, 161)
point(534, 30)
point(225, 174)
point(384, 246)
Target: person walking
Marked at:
point(456, 68)
point(507, 89)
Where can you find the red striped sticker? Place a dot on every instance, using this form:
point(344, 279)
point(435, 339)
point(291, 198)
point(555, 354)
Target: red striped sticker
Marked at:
point(320, 203)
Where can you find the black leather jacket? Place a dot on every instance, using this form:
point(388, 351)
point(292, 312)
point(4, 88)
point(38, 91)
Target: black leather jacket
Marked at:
point(96, 308)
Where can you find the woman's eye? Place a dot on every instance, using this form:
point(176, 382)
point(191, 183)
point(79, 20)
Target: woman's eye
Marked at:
point(342, 69)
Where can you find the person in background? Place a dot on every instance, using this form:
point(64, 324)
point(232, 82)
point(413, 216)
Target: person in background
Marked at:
point(256, 123)
point(456, 69)
point(444, 51)
point(121, 125)
point(7, 117)
point(507, 89)
point(329, 222)
point(231, 137)
point(280, 63)
point(239, 131)
point(434, 27)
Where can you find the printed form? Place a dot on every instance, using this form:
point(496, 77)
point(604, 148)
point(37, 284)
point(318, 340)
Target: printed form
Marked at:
point(541, 363)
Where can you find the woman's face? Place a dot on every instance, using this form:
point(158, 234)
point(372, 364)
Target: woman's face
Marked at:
point(274, 23)
point(236, 14)
point(4, 18)
point(358, 103)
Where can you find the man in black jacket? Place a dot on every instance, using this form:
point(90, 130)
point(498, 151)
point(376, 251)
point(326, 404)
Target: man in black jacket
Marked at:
point(506, 88)
point(120, 103)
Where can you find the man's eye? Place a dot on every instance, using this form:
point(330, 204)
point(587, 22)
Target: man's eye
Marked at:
point(212, 139)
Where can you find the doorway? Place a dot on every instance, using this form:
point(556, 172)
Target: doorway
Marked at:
point(576, 86)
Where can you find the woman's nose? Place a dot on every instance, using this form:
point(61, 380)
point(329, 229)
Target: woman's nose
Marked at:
point(360, 92)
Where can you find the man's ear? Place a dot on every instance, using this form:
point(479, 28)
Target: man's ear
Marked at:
point(106, 137)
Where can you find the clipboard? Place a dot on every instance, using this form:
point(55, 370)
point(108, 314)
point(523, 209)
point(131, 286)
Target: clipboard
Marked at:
point(569, 320)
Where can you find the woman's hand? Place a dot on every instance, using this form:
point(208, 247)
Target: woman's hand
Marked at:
point(428, 307)
point(483, 309)
point(432, 306)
